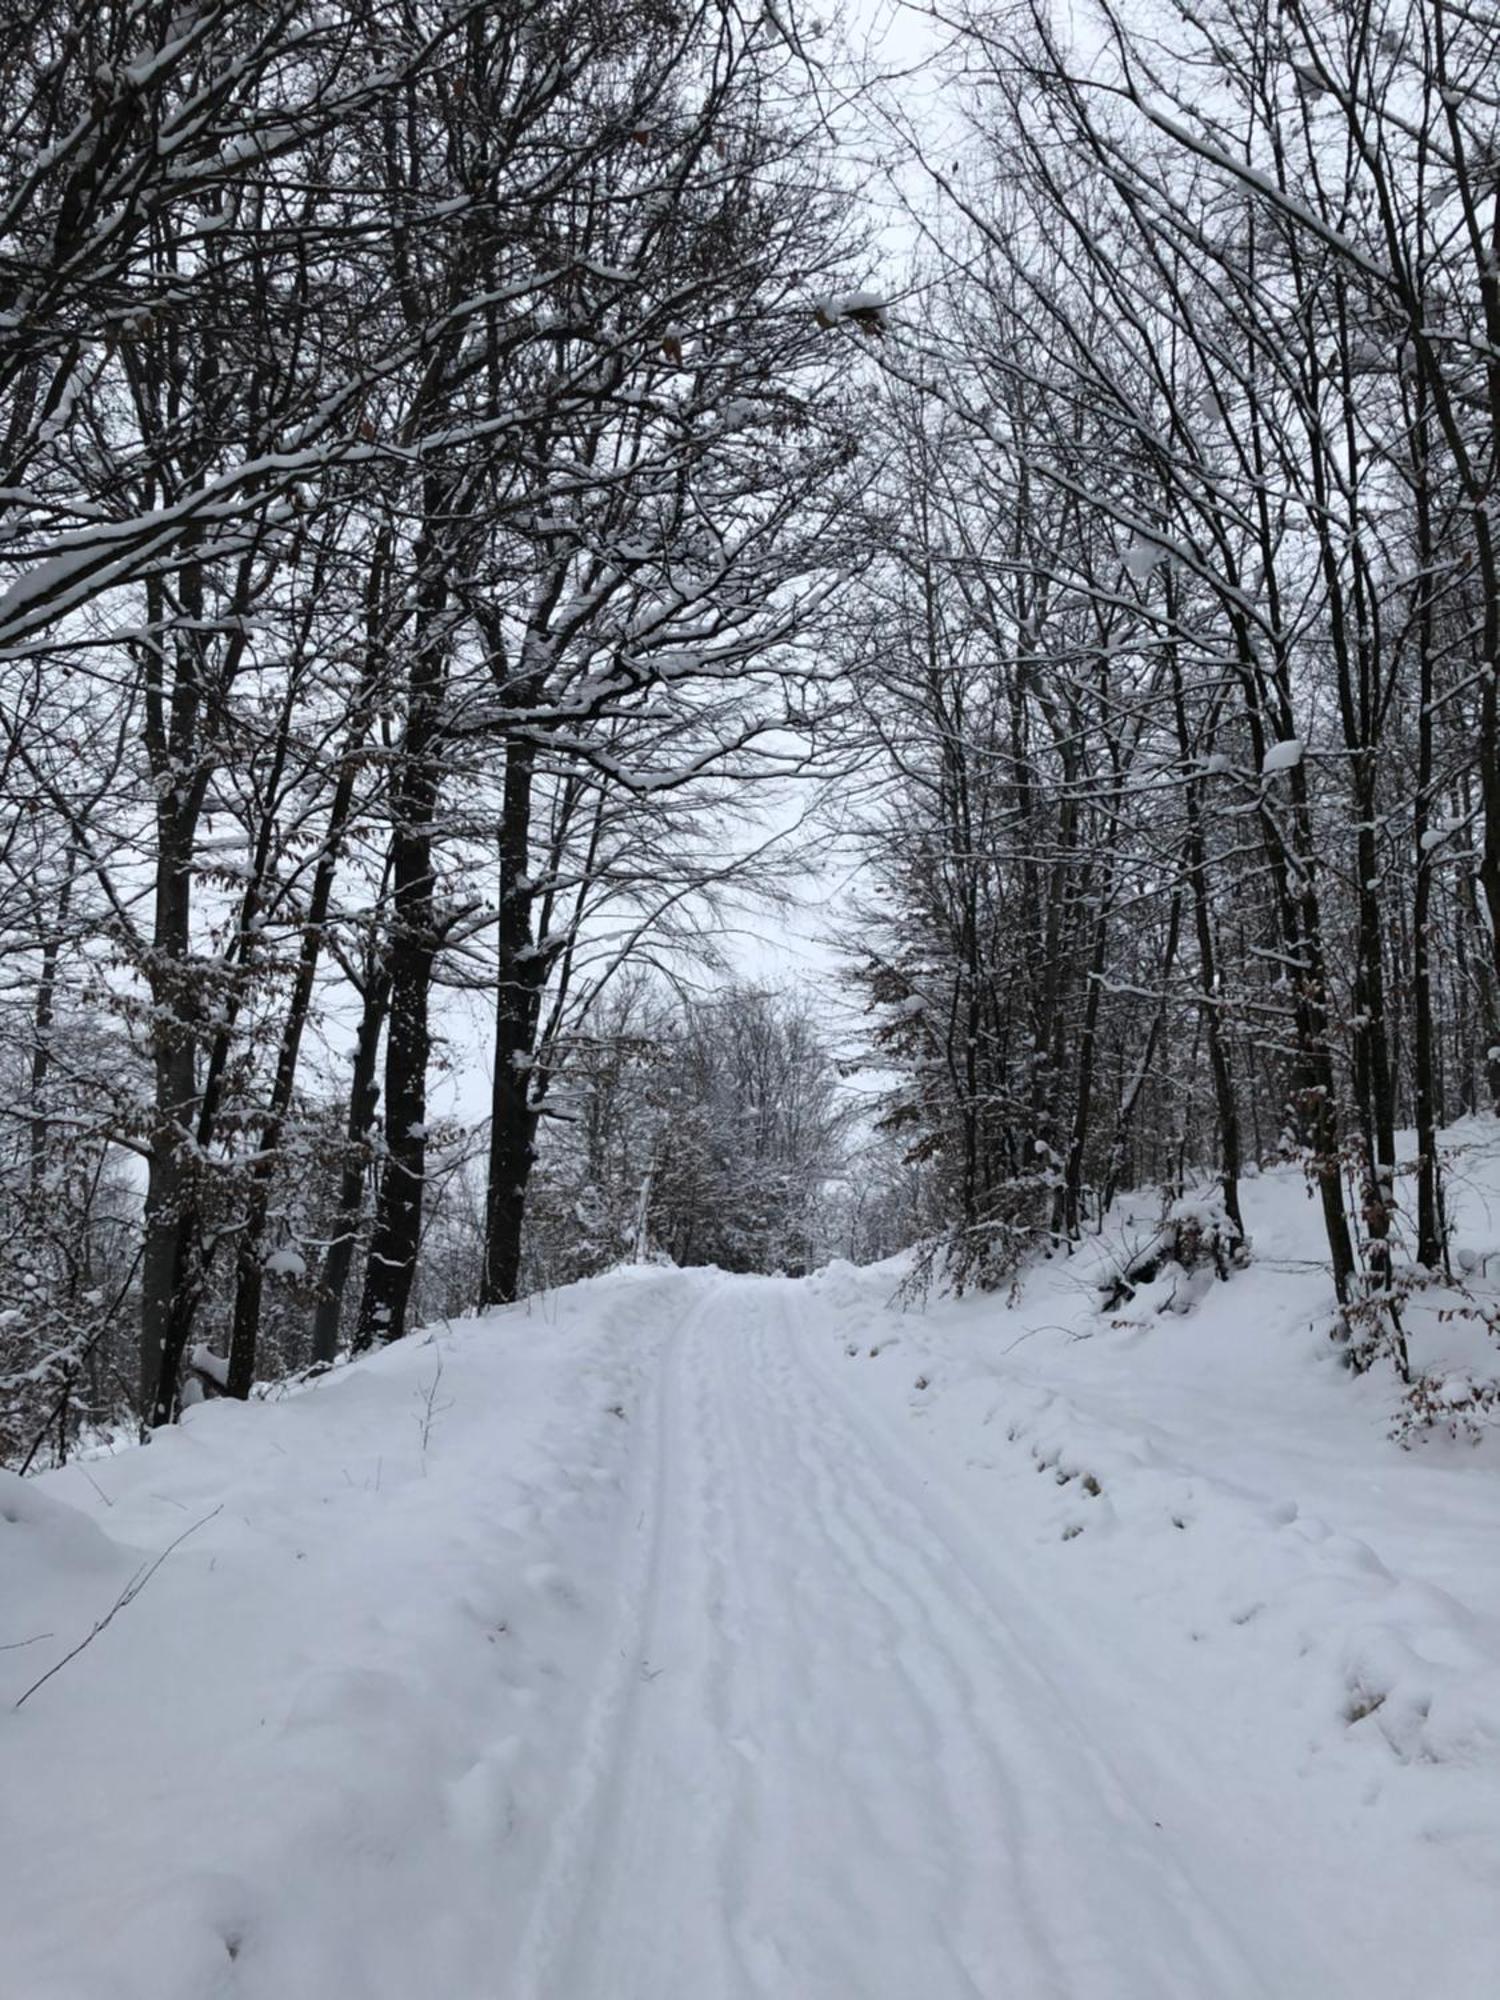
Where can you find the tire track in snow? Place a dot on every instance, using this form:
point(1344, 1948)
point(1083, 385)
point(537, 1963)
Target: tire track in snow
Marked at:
point(907, 1792)
point(1009, 1887)
point(829, 1759)
point(1042, 1753)
point(596, 1796)
point(984, 1913)
point(1163, 1932)
point(819, 1878)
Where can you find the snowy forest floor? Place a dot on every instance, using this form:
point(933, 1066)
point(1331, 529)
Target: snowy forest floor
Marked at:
point(709, 1638)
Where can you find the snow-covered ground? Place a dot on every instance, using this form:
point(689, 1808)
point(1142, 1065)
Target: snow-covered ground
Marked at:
point(710, 1638)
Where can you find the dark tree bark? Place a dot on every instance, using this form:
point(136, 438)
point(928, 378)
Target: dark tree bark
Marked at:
point(519, 975)
point(1431, 1237)
point(364, 1105)
point(250, 1254)
point(173, 703)
point(412, 949)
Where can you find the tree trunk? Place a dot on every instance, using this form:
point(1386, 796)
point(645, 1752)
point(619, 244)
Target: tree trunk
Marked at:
point(170, 1173)
point(250, 1256)
point(1430, 1234)
point(364, 1103)
point(391, 1262)
point(517, 995)
point(171, 720)
point(1088, 1042)
point(43, 1016)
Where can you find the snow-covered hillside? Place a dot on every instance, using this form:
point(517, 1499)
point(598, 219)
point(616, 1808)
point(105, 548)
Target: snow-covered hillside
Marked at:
point(692, 1637)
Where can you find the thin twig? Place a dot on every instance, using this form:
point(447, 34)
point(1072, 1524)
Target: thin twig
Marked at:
point(128, 1595)
point(432, 1409)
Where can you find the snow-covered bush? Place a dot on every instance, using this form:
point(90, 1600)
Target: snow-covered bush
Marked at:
point(1194, 1244)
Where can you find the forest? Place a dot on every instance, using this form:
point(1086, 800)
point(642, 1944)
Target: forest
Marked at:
point(749, 1000)
point(494, 488)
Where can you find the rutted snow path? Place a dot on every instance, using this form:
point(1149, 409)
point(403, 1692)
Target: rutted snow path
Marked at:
point(682, 1637)
point(827, 1764)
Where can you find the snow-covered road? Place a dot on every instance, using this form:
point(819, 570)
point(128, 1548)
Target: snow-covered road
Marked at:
point(845, 1749)
point(694, 1638)
point(832, 1756)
